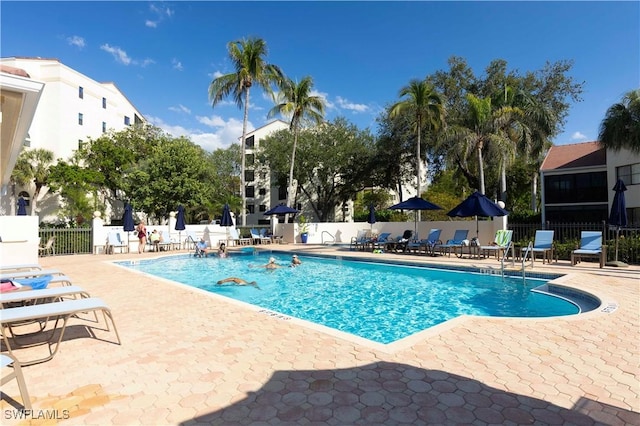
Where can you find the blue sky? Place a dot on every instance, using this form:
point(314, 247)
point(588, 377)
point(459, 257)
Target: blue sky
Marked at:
point(163, 55)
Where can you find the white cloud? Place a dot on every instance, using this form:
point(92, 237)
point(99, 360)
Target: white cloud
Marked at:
point(578, 136)
point(119, 54)
point(177, 65)
point(221, 136)
point(160, 13)
point(345, 104)
point(180, 108)
point(216, 74)
point(76, 41)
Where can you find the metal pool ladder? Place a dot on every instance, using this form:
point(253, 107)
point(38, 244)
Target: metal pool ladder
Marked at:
point(330, 241)
point(526, 253)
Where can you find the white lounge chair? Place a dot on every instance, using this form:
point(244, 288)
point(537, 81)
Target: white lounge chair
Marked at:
point(236, 239)
point(9, 361)
point(29, 274)
point(59, 310)
point(115, 241)
point(54, 293)
point(49, 248)
point(20, 268)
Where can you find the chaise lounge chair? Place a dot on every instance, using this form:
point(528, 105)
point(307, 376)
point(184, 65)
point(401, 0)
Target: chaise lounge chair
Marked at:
point(42, 312)
point(55, 293)
point(361, 240)
point(459, 238)
point(590, 246)
point(114, 240)
point(427, 244)
point(543, 244)
point(236, 239)
point(501, 244)
point(10, 361)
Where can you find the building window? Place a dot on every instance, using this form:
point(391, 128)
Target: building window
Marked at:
point(80, 144)
point(629, 174)
point(127, 121)
point(104, 127)
point(251, 208)
point(262, 208)
point(249, 142)
point(576, 188)
point(104, 103)
point(80, 118)
point(81, 92)
point(250, 159)
point(282, 192)
point(249, 192)
point(262, 191)
point(249, 176)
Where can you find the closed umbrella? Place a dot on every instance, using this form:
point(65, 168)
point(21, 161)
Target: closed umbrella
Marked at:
point(415, 203)
point(180, 222)
point(618, 217)
point(226, 220)
point(476, 205)
point(372, 215)
point(127, 221)
point(22, 207)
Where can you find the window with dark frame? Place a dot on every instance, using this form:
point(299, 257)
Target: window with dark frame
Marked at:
point(104, 127)
point(80, 118)
point(249, 176)
point(262, 208)
point(262, 191)
point(282, 193)
point(251, 208)
point(249, 142)
point(127, 121)
point(630, 174)
point(250, 159)
point(249, 191)
point(104, 103)
point(81, 92)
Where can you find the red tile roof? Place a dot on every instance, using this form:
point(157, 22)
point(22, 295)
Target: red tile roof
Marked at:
point(13, 70)
point(584, 154)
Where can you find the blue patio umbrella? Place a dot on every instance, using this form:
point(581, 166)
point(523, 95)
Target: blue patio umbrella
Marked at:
point(372, 215)
point(127, 220)
point(476, 205)
point(22, 207)
point(415, 203)
point(281, 209)
point(618, 216)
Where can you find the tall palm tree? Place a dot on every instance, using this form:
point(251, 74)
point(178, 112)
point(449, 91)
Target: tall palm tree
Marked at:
point(482, 125)
point(426, 104)
point(248, 59)
point(33, 166)
point(295, 100)
point(620, 127)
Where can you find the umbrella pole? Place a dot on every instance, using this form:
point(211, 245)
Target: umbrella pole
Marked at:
point(617, 236)
point(616, 262)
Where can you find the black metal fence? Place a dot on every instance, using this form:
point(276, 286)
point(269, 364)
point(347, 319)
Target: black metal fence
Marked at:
point(567, 235)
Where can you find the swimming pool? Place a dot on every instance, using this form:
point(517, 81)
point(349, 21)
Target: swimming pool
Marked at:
point(377, 301)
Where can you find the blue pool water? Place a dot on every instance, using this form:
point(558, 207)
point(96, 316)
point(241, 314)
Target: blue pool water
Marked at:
point(376, 301)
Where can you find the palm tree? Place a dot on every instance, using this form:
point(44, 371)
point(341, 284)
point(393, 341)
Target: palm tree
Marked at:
point(482, 125)
point(426, 104)
point(33, 167)
point(620, 127)
point(248, 59)
point(295, 100)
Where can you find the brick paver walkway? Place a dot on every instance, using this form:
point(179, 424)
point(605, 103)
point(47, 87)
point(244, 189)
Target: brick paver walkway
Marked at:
point(192, 358)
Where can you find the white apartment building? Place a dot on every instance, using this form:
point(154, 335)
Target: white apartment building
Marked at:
point(72, 108)
point(260, 190)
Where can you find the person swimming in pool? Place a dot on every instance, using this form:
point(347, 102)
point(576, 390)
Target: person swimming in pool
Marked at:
point(238, 281)
point(295, 261)
point(272, 264)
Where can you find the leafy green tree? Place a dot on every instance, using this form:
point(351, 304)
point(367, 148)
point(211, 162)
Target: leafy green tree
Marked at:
point(295, 100)
point(426, 105)
point(33, 167)
point(620, 127)
point(328, 159)
point(78, 187)
point(248, 59)
point(114, 154)
point(176, 171)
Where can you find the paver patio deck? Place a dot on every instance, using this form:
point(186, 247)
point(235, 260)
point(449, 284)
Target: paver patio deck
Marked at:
point(192, 358)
